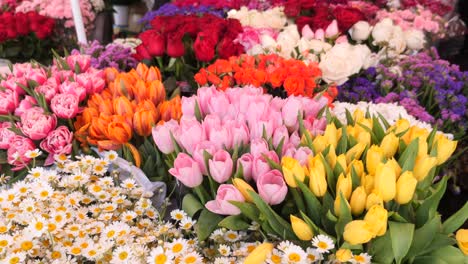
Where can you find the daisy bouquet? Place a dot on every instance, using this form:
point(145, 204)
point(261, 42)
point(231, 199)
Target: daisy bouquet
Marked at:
point(120, 117)
point(38, 106)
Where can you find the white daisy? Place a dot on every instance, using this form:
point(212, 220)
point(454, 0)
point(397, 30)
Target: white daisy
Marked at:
point(224, 250)
point(159, 256)
point(275, 257)
point(323, 243)
point(38, 226)
point(191, 258)
point(178, 215)
point(294, 254)
point(178, 247)
point(110, 155)
point(362, 258)
point(313, 255)
point(122, 254)
point(187, 223)
point(231, 236)
point(32, 154)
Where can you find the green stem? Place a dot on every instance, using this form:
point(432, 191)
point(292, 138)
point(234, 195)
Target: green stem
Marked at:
point(298, 198)
point(201, 193)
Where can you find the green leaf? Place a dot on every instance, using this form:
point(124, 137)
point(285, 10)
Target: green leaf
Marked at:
point(455, 221)
point(377, 129)
point(440, 240)
point(345, 216)
point(191, 205)
point(429, 260)
point(429, 206)
point(355, 178)
point(234, 222)
point(343, 143)
point(423, 236)
point(331, 179)
point(368, 129)
point(248, 209)
point(401, 235)
point(431, 137)
point(207, 223)
point(384, 121)
point(449, 254)
point(271, 163)
point(408, 157)
point(349, 118)
point(198, 114)
point(313, 204)
point(380, 249)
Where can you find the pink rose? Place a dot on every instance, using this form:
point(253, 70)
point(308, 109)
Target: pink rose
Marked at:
point(81, 61)
point(9, 101)
point(198, 154)
point(220, 166)
point(25, 104)
point(36, 125)
point(73, 88)
point(221, 205)
point(187, 171)
point(271, 187)
point(191, 133)
point(59, 141)
point(162, 136)
point(5, 135)
point(65, 105)
point(260, 164)
point(16, 153)
point(246, 161)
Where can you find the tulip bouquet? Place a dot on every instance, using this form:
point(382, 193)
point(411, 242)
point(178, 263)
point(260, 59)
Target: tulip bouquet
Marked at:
point(121, 116)
point(276, 75)
point(37, 108)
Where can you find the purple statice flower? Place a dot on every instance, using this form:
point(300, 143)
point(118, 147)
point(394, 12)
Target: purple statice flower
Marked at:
point(361, 88)
point(113, 55)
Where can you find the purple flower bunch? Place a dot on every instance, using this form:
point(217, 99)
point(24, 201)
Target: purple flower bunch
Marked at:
point(429, 88)
point(112, 55)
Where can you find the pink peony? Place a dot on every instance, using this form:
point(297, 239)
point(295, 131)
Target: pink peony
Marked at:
point(9, 101)
point(73, 88)
point(59, 141)
point(6, 135)
point(37, 125)
point(65, 105)
point(16, 153)
point(27, 103)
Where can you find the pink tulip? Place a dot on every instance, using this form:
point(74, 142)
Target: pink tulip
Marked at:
point(260, 164)
point(188, 106)
point(221, 205)
point(313, 106)
point(217, 104)
point(277, 103)
point(320, 34)
point(272, 187)
point(280, 134)
point(198, 154)
point(246, 161)
point(211, 122)
point(187, 171)
point(307, 32)
point(332, 29)
point(65, 105)
point(25, 104)
point(49, 89)
point(220, 166)
point(59, 141)
point(221, 137)
point(258, 147)
point(81, 61)
point(290, 111)
point(262, 127)
point(294, 139)
point(9, 101)
point(301, 154)
point(73, 88)
point(239, 132)
point(315, 126)
point(191, 133)
point(16, 154)
point(36, 125)
point(90, 82)
point(162, 136)
point(204, 96)
point(6, 135)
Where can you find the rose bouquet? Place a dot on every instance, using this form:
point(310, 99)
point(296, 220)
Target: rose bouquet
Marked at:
point(25, 36)
point(37, 109)
point(121, 116)
point(276, 75)
point(180, 43)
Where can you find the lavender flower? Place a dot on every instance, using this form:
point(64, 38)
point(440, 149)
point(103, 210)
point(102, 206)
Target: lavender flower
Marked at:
point(113, 55)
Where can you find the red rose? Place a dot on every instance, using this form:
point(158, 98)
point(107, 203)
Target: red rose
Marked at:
point(227, 48)
point(154, 42)
point(233, 28)
point(142, 53)
point(292, 8)
point(347, 17)
point(175, 46)
point(204, 47)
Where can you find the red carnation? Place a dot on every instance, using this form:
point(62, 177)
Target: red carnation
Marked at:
point(347, 17)
point(227, 48)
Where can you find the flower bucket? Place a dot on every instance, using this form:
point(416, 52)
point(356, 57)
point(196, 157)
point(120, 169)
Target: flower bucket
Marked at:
point(121, 15)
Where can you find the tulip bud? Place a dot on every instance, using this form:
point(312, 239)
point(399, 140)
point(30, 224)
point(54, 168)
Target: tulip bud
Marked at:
point(355, 152)
point(259, 254)
point(357, 232)
point(358, 115)
point(343, 255)
point(423, 165)
point(292, 170)
point(344, 185)
point(367, 181)
point(341, 159)
point(373, 158)
point(358, 167)
point(396, 167)
point(319, 143)
point(337, 205)
point(317, 182)
point(373, 199)
point(122, 106)
point(385, 181)
point(445, 149)
point(301, 229)
point(389, 145)
point(376, 217)
point(331, 134)
point(316, 163)
point(243, 188)
point(358, 201)
point(400, 126)
point(405, 187)
point(364, 137)
point(462, 240)
point(331, 157)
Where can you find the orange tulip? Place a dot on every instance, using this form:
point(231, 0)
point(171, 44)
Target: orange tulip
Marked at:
point(143, 122)
point(146, 105)
point(153, 74)
point(140, 91)
point(122, 86)
point(156, 91)
point(142, 70)
point(119, 132)
point(170, 109)
point(122, 106)
point(111, 74)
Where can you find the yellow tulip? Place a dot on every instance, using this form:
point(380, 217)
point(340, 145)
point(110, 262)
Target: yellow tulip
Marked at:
point(396, 167)
point(358, 115)
point(364, 122)
point(462, 240)
point(367, 181)
point(373, 198)
point(389, 145)
point(355, 152)
point(301, 229)
point(364, 137)
point(344, 185)
point(337, 205)
point(341, 159)
point(358, 167)
point(331, 157)
point(343, 255)
point(400, 126)
point(385, 181)
point(316, 163)
point(422, 166)
point(405, 187)
point(317, 182)
point(358, 232)
point(331, 134)
point(292, 170)
point(259, 254)
point(373, 158)
point(445, 149)
point(377, 217)
point(319, 143)
point(358, 201)
point(416, 132)
point(243, 188)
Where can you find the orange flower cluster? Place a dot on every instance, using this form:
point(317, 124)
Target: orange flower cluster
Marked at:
point(131, 104)
point(268, 71)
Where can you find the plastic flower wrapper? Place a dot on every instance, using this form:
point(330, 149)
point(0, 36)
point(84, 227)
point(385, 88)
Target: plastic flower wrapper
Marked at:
point(38, 107)
point(122, 115)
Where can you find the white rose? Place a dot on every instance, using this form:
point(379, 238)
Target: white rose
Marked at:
point(360, 31)
point(415, 39)
point(397, 42)
point(382, 31)
point(319, 46)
